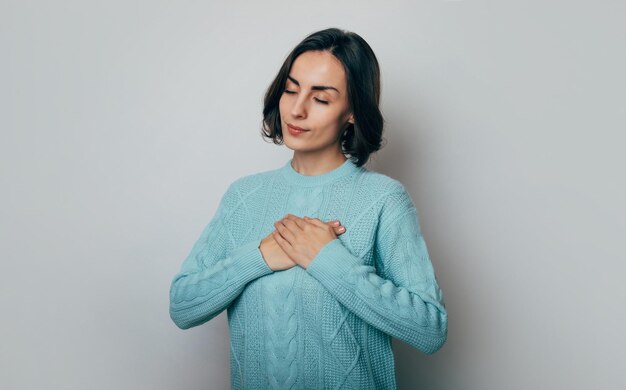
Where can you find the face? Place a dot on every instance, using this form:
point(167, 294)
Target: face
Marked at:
point(316, 99)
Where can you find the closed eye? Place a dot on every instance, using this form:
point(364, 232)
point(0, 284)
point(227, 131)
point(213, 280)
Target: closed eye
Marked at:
point(316, 99)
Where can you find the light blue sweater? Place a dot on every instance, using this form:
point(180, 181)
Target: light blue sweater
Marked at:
point(329, 325)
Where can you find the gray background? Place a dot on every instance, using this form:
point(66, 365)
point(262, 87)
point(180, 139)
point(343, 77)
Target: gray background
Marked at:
point(122, 124)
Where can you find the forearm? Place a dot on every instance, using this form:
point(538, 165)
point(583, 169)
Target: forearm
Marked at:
point(416, 317)
point(198, 296)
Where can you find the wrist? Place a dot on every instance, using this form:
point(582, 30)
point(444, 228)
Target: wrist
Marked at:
point(304, 263)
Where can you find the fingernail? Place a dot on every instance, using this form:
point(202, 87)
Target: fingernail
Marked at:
point(341, 229)
point(336, 223)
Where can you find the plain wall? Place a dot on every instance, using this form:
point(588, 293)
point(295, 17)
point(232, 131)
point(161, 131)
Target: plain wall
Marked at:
point(122, 123)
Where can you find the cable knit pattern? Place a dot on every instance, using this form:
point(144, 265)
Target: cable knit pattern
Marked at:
point(281, 326)
point(327, 326)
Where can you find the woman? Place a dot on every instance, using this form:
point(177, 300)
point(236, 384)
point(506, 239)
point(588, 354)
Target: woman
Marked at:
point(320, 261)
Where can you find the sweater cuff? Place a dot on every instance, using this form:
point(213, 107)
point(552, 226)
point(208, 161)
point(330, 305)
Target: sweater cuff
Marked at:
point(250, 262)
point(333, 260)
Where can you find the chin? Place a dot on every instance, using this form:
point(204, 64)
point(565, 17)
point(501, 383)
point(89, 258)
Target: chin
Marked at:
point(295, 145)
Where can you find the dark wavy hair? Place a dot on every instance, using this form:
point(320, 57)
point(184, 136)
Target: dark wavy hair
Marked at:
point(360, 139)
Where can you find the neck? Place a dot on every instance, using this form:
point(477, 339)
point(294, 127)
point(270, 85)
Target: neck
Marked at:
point(313, 165)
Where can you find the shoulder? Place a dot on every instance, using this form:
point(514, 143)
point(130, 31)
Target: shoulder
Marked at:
point(252, 180)
point(392, 197)
point(249, 183)
point(384, 187)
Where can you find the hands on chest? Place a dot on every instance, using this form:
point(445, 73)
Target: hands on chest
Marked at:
point(296, 241)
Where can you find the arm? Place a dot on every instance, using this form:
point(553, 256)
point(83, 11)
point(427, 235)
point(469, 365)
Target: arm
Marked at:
point(404, 299)
point(214, 273)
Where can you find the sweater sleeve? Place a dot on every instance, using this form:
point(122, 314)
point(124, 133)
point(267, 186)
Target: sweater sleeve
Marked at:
point(402, 298)
point(214, 273)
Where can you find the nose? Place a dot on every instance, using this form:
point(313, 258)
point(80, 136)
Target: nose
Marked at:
point(298, 110)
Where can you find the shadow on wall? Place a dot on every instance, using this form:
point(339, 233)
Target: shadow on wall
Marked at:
point(414, 369)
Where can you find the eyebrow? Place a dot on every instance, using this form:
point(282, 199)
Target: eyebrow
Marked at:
point(315, 87)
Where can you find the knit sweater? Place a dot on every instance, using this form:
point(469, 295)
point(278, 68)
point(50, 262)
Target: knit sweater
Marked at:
point(328, 326)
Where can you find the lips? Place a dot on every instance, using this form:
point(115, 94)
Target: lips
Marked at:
point(296, 127)
point(295, 130)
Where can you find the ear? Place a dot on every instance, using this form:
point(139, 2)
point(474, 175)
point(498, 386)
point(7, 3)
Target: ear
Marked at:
point(351, 119)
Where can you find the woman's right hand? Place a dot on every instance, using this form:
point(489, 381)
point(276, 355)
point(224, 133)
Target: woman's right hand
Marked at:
point(274, 255)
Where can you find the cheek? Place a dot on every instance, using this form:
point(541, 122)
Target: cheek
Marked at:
point(281, 103)
point(328, 116)
point(283, 108)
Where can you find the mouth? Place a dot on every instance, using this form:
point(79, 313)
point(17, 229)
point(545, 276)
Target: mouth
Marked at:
point(295, 130)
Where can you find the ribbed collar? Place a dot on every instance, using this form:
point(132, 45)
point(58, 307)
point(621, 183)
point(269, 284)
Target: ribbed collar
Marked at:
point(348, 167)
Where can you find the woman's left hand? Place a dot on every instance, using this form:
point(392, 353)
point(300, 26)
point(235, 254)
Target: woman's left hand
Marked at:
point(302, 238)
